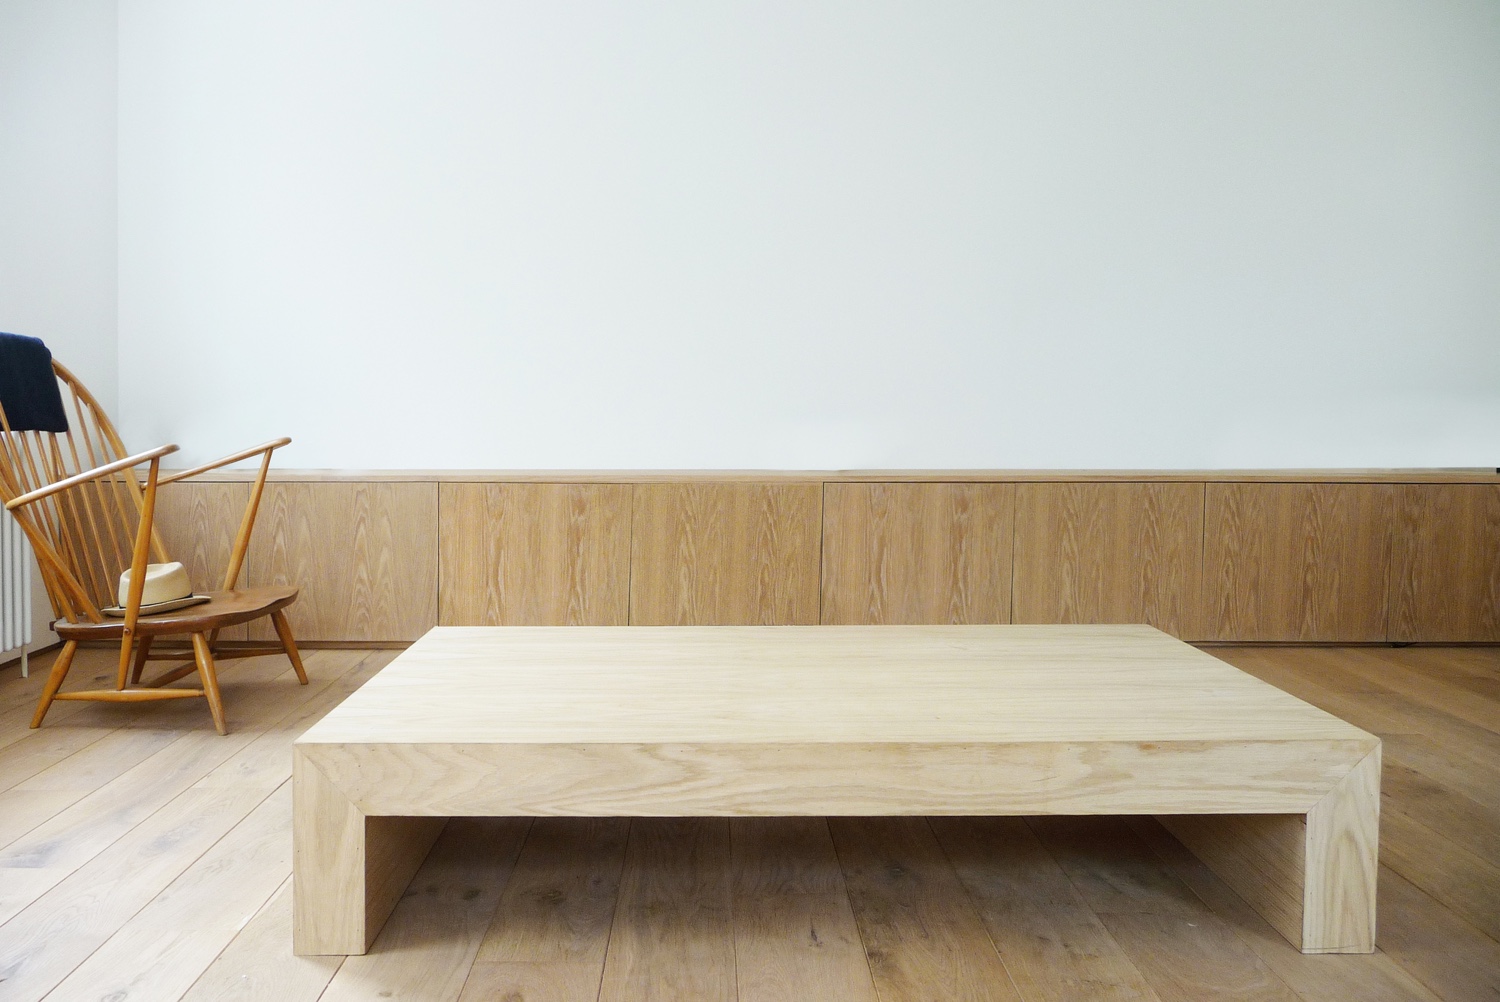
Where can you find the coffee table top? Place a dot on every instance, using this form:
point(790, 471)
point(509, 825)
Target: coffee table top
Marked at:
point(815, 684)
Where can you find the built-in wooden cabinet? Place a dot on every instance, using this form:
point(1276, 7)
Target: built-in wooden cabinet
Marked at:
point(364, 554)
point(534, 554)
point(917, 553)
point(719, 554)
point(1445, 568)
point(1109, 553)
point(1297, 561)
point(197, 523)
point(1217, 558)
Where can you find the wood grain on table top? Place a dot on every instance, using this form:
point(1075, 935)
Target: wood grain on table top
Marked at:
point(851, 684)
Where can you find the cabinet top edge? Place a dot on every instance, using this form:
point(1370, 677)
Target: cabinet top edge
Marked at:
point(1474, 475)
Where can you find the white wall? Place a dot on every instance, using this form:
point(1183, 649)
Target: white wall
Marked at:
point(57, 191)
point(57, 182)
point(813, 234)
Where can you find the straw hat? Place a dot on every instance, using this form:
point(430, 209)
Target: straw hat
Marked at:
point(166, 588)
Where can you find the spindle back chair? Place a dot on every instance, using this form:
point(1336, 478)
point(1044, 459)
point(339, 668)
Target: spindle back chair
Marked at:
point(89, 517)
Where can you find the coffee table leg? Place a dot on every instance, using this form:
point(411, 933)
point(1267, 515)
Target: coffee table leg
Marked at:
point(1342, 859)
point(1312, 877)
point(348, 869)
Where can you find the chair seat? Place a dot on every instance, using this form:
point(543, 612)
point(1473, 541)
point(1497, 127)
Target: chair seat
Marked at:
point(223, 608)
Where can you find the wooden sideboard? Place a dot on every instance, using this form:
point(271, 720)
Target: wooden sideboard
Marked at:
point(1339, 556)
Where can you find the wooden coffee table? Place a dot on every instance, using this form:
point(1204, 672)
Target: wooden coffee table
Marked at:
point(1280, 798)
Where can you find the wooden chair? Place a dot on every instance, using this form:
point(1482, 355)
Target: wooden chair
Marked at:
point(88, 516)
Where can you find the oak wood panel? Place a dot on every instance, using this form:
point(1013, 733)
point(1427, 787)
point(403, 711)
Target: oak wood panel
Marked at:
point(534, 554)
point(197, 523)
point(364, 555)
point(1285, 555)
point(764, 688)
point(350, 869)
point(917, 553)
point(828, 778)
point(1296, 561)
point(1109, 553)
point(1264, 858)
point(720, 554)
point(1445, 567)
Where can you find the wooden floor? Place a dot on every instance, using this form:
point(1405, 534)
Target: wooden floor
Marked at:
point(144, 857)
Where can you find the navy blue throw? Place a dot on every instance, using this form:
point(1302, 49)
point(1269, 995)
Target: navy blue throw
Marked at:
point(28, 387)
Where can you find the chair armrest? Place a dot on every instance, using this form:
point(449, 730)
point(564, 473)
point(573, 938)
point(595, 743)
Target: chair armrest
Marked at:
point(266, 447)
point(247, 524)
point(94, 474)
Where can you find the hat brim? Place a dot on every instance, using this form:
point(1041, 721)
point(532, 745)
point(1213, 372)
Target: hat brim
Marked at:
point(155, 608)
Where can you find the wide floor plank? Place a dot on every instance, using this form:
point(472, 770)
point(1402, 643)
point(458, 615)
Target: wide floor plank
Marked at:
point(794, 932)
point(259, 964)
point(560, 901)
point(522, 981)
point(923, 938)
point(47, 854)
point(1438, 948)
point(672, 935)
point(1330, 977)
point(425, 950)
point(1468, 885)
point(77, 915)
point(164, 947)
point(1185, 952)
point(1054, 946)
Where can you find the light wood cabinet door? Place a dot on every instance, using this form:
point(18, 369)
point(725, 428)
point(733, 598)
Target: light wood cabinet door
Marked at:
point(1297, 562)
point(1445, 566)
point(707, 554)
point(197, 523)
point(363, 554)
point(917, 553)
point(534, 554)
point(1109, 553)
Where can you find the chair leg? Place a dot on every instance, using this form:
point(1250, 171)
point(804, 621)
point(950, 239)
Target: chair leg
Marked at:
point(284, 631)
point(205, 660)
point(142, 648)
point(55, 680)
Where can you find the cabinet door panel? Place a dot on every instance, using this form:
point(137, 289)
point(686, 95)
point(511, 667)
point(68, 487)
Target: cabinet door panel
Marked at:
point(917, 553)
point(1109, 553)
point(718, 554)
point(534, 554)
point(363, 554)
point(197, 523)
point(1445, 566)
point(1305, 562)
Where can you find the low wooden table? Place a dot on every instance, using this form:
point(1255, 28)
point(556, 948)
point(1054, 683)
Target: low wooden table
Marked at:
point(1280, 798)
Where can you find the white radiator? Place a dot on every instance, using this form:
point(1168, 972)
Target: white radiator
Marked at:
point(15, 589)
